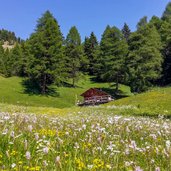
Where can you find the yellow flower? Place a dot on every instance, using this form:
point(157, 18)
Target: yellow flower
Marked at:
point(98, 163)
point(37, 168)
point(80, 164)
point(108, 166)
point(13, 153)
point(20, 162)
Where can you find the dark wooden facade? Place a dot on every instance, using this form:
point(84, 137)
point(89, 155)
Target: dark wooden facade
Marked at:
point(95, 96)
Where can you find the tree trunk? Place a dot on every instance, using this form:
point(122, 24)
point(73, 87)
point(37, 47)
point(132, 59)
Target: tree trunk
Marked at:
point(73, 82)
point(44, 84)
point(117, 83)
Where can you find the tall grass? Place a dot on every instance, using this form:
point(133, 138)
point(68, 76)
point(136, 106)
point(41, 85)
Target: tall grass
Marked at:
point(84, 141)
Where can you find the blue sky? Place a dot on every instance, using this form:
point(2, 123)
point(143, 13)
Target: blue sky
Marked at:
point(20, 16)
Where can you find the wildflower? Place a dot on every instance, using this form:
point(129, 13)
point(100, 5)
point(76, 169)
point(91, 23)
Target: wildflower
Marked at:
point(12, 134)
point(13, 165)
point(46, 150)
point(84, 126)
point(98, 163)
point(45, 163)
point(36, 136)
point(5, 132)
point(133, 145)
point(20, 162)
point(138, 168)
point(80, 164)
point(58, 161)
point(28, 156)
point(76, 146)
point(108, 166)
point(30, 128)
point(90, 166)
point(157, 169)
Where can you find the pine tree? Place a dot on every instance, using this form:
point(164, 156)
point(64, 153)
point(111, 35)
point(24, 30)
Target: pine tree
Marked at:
point(15, 61)
point(91, 52)
point(144, 60)
point(113, 48)
point(165, 32)
point(126, 31)
point(167, 13)
point(46, 49)
point(2, 62)
point(143, 21)
point(74, 54)
point(157, 22)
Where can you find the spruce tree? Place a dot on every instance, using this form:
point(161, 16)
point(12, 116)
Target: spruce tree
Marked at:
point(143, 21)
point(167, 13)
point(144, 60)
point(165, 32)
point(126, 31)
point(114, 49)
point(2, 62)
point(91, 52)
point(46, 53)
point(15, 61)
point(74, 54)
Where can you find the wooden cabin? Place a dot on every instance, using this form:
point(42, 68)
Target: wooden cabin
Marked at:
point(95, 96)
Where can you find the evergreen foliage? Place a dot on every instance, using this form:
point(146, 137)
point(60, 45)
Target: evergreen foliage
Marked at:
point(167, 13)
point(9, 36)
point(144, 59)
point(140, 59)
point(91, 51)
point(74, 54)
point(46, 53)
point(143, 21)
point(114, 49)
point(126, 31)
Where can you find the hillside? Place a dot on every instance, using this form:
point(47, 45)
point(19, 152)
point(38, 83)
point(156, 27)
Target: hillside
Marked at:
point(156, 101)
point(13, 92)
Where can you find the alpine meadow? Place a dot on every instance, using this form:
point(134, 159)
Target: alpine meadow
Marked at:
point(69, 103)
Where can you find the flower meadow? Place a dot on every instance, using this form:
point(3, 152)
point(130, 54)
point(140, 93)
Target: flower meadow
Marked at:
point(92, 141)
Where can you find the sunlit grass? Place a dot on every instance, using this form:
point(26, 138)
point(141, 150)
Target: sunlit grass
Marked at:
point(91, 140)
point(13, 92)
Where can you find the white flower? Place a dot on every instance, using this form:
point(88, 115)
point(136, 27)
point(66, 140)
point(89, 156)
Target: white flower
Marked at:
point(157, 169)
point(138, 168)
point(58, 159)
point(30, 128)
point(13, 165)
point(12, 134)
point(36, 136)
point(46, 150)
point(28, 156)
point(45, 163)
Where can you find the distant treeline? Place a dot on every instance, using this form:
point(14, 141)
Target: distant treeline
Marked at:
point(9, 36)
point(140, 59)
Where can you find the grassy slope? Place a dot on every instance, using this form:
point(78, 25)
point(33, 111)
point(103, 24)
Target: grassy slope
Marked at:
point(157, 101)
point(12, 92)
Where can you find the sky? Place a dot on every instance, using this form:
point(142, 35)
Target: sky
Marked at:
point(21, 16)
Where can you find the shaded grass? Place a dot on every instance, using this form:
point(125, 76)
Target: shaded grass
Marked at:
point(13, 92)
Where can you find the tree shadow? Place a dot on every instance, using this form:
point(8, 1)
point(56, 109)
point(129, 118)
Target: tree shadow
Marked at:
point(32, 88)
point(115, 94)
point(66, 84)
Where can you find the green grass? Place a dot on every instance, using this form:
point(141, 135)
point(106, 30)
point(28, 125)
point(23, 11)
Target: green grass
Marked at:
point(154, 102)
point(84, 142)
point(12, 92)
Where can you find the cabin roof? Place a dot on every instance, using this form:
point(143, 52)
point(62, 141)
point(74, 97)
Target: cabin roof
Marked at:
point(94, 92)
